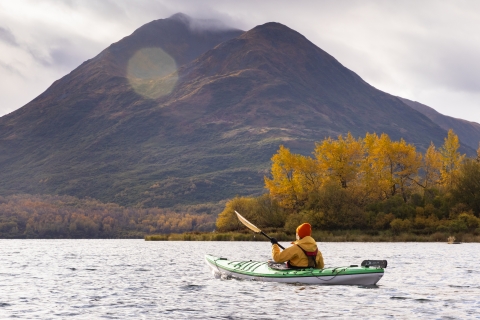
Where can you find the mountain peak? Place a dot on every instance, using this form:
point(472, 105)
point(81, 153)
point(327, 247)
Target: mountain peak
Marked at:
point(195, 24)
point(182, 17)
point(273, 30)
point(272, 26)
point(278, 38)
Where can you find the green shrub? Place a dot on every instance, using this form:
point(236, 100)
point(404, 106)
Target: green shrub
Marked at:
point(399, 225)
point(457, 226)
point(442, 228)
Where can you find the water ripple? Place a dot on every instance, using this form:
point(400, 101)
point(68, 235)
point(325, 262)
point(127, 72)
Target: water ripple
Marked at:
point(118, 279)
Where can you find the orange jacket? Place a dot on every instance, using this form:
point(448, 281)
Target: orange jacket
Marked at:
point(295, 255)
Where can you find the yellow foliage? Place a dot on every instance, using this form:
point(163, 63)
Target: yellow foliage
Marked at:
point(375, 168)
point(451, 158)
point(432, 165)
point(227, 220)
point(288, 184)
point(261, 211)
point(346, 174)
point(390, 166)
point(340, 159)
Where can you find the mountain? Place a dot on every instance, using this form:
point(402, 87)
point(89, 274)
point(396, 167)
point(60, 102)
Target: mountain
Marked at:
point(273, 75)
point(187, 112)
point(85, 134)
point(468, 132)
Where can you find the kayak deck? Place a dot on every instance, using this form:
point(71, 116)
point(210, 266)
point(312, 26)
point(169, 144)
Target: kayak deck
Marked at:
point(261, 271)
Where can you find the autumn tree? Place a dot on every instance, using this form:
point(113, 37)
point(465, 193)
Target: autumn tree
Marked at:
point(261, 211)
point(431, 167)
point(466, 187)
point(268, 212)
point(309, 175)
point(287, 183)
point(340, 159)
point(370, 172)
point(337, 208)
point(393, 165)
point(430, 172)
point(227, 220)
point(451, 159)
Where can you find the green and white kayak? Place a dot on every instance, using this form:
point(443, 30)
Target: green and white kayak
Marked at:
point(369, 273)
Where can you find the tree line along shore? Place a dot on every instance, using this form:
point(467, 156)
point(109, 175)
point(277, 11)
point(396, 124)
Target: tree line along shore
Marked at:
point(59, 217)
point(363, 189)
point(350, 189)
point(320, 236)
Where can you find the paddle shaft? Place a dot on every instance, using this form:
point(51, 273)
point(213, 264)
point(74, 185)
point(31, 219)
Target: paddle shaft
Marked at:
point(269, 238)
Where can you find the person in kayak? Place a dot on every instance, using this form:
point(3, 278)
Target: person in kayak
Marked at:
point(304, 252)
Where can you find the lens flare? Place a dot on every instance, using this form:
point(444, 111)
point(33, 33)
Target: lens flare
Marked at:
point(152, 72)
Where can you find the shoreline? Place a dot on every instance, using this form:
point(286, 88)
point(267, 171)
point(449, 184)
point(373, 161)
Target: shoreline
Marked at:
point(319, 236)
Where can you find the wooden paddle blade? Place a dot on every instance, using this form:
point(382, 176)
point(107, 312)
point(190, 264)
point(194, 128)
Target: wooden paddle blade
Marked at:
point(247, 223)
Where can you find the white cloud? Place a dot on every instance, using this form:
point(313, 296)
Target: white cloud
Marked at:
point(7, 37)
point(421, 50)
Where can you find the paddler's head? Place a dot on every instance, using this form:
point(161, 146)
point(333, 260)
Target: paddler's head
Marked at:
point(303, 230)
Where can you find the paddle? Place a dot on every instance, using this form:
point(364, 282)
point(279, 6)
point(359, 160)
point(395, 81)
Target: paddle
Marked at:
point(252, 227)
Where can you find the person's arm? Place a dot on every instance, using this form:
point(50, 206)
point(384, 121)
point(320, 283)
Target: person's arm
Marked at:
point(282, 256)
point(319, 259)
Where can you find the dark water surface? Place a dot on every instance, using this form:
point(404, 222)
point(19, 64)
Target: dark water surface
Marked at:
point(134, 279)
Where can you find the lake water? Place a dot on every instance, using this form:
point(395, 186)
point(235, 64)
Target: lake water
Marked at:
point(135, 279)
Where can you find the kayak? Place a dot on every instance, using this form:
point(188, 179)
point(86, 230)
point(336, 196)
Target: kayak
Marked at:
point(369, 273)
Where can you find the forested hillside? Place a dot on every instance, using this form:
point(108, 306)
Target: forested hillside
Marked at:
point(26, 216)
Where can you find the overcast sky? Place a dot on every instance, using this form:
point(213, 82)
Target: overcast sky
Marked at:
point(427, 51)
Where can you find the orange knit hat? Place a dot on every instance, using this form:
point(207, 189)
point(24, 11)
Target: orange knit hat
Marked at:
point(303, 230)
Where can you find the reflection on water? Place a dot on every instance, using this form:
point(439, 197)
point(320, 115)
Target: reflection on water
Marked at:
point(152, 72)
point(119, 279)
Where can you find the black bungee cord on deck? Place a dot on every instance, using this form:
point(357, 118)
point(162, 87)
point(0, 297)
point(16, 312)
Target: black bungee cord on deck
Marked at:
point(333, 277)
